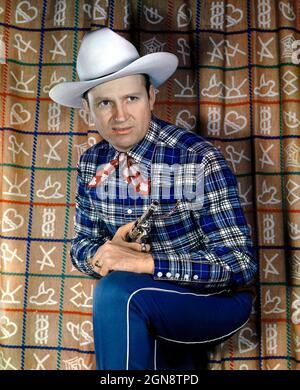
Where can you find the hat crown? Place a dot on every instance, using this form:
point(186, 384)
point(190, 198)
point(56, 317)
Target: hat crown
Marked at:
point(103, 52)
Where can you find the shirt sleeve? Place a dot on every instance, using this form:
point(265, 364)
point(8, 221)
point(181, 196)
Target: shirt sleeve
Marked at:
point(226, 258)
point(89, 231)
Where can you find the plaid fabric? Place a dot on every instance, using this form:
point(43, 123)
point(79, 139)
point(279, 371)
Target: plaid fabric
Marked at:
point(210, 247)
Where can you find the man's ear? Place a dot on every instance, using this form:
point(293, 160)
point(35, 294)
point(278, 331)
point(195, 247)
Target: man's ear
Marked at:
point(86, 106)
point(152, 97)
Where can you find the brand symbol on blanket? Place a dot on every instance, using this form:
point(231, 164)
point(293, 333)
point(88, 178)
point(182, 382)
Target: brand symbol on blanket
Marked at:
point(19, 115)
point(269, 229)
point(184, 16)
point(186, 119)
point(21, 85)
point(25, 12)
point(187, 90)
point(60, 13)
point(153, 45)
point(247, 340)
point(264, 13)
point(22, 46)
point(152, 15)
point(5, 363)
point(11, 220)
point(41, 333)
point(236, 156)
point(40, 361)
point(271, 338)
point(14, 189)
point(82, 332)
point(48, 225)
point(287, 10)
point(272, 304)
point(76, 363)
point(8, 295)
point(50, 190)
point(8, 255)
point(8, 328)
point(185, 49)
point(43, 296)
point(265, 117)
point(265, 87)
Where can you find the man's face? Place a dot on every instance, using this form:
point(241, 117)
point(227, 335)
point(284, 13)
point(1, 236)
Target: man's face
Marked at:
point(121, 110)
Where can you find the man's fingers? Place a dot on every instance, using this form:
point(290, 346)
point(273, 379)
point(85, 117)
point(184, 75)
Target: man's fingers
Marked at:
point(137, 246)
point(127, 227)
point(145, 247)
point(122, 231)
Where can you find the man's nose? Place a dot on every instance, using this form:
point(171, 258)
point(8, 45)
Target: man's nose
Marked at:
point(120, 113)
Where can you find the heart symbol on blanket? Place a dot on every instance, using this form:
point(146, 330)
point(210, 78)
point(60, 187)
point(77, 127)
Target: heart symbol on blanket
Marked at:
point(246, 340)
point(25, 12)
point(18, 114)
point(11, 220)
point(234, 122)
point(186, 119)
point(7, 328)
point(231, 20)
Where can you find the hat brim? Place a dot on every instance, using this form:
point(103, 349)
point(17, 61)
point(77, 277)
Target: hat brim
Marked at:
point(159, 67)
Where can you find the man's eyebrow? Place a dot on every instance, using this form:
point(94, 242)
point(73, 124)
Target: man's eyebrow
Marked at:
point(110, 98)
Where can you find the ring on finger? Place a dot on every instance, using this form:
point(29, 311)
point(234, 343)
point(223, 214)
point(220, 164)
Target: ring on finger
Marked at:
point(98, 264)
point(143, 247)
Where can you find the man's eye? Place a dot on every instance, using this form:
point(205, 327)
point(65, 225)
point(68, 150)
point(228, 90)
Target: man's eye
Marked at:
point(104, 103)
point(132, 98)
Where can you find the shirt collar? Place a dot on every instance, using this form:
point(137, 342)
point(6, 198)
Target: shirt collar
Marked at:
point(143, 151)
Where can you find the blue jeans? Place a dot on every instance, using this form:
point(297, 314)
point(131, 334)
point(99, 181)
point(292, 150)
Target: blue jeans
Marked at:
point(135, 317)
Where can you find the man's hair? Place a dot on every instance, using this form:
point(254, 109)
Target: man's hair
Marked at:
point(147, 85)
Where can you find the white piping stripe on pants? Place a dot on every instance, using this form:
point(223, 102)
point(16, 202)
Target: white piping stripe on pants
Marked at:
point(174, 292)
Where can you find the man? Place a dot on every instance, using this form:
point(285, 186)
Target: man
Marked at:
point(186, 286)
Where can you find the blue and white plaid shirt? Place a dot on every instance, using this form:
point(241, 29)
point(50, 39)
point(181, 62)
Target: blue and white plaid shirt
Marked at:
point(209, 247)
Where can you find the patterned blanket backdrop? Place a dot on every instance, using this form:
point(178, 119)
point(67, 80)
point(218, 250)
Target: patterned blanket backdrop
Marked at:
point(238, 84)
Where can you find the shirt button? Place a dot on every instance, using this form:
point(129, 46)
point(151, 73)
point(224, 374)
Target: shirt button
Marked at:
point(159, 274)
point(186, 277)
point(129, 211)
point(177, 275)
point(168, 275)
point(195, 277)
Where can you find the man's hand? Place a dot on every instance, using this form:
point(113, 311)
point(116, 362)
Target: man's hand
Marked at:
point(120, 236)
point(120, 255)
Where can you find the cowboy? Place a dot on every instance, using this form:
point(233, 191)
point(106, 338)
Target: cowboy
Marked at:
point(188, 285)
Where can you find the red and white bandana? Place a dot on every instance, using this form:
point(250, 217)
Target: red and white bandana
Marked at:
point(130, 170)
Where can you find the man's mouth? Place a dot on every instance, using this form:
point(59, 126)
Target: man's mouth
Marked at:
point(122, 130)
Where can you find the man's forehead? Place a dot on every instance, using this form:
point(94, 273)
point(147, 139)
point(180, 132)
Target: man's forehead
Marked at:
point(127, 82)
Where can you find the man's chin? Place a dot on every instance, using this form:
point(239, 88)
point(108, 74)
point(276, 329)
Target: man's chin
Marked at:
point(123, 147)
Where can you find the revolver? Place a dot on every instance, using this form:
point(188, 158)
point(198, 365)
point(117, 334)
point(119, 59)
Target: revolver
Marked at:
point(141, 228)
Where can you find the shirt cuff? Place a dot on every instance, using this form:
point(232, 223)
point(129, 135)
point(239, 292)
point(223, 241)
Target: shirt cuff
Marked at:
point(189, 268)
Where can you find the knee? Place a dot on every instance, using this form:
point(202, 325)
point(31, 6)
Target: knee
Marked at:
point(114, 290)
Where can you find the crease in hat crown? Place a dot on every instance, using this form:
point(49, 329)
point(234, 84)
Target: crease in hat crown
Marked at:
point(89, 69)
point(104, 56)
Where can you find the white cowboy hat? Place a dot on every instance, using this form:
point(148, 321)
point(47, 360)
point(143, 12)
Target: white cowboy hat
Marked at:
point(104, 56)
